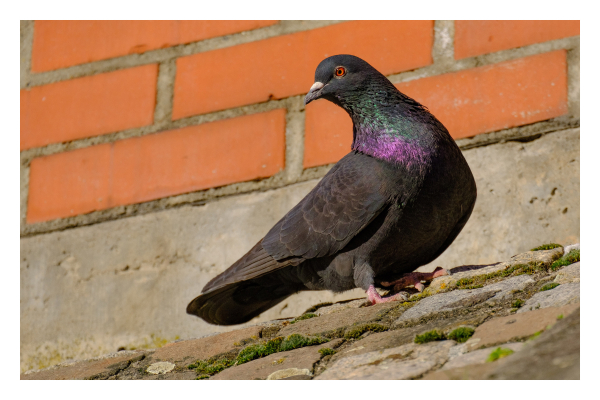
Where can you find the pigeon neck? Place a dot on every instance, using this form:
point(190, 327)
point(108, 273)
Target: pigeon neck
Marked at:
point(395, 137)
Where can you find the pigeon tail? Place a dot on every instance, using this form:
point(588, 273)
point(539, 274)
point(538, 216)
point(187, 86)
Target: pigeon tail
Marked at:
point(238, 302)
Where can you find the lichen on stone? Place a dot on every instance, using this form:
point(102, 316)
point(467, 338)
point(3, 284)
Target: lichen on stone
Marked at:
point(548, 246)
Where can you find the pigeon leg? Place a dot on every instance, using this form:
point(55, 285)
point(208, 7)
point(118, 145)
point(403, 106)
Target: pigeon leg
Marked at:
point(375, 298)
point(415, 278)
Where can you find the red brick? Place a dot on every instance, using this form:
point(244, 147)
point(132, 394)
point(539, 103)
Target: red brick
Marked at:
point(284, 66)
point(156, 166)
point(473, 38)
point(468, 102)
point(60, 44)
point(89, 106)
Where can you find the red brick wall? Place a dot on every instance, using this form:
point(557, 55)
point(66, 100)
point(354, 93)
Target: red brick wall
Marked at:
point(124, 112)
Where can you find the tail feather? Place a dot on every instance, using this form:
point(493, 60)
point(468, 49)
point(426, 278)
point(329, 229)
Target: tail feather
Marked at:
point(237, 303)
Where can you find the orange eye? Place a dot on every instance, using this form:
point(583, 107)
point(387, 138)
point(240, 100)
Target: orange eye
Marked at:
point(340, 71)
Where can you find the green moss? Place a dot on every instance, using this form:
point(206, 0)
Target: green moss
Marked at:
point(429, 337)
point(548, 246)
point(499, 353)
point(211, 367)
point(259, 350)
point(518, 303)
point(296, 341)
point(560, 316)
point(356, 332)
point(549, 286)
point(470, 287)
point(572, 257)
point(202, 377)
point(254, 351)
point(535, 335)
point(462, 334)
point(517, 269)
point(325, 351)
point(303, 317)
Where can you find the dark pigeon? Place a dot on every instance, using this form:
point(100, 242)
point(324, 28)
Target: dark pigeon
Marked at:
point(394, 203)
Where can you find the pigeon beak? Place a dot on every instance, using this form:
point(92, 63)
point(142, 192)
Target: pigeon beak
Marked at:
point(313, 93)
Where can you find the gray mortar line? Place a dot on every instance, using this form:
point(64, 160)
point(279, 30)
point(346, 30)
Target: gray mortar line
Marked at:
point(294, 139)
point(278, 181)
point(165, 83)
point(24, 194)
point(173, 52)
point(443, 42)
point(26, 29)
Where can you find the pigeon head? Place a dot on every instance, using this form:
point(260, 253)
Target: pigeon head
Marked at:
point(338, 77)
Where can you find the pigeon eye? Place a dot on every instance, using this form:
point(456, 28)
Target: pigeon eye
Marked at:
point(340, 71)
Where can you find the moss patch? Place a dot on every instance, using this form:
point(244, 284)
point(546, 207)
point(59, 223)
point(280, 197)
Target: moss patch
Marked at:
point(518, 303)
point(213, 366)
point(499, 353)
point(462, 334)
point(560, 316)
point(517, 269)
point(549, 286)
point(326, 351)
point(429, 337)
point(210, 366)
point(356, 332)
point(259, 350)
point(303, 317)
point(548, 246)
point(572, 257)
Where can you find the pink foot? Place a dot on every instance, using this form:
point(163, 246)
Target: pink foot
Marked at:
point(415, 278)
point(375, 298)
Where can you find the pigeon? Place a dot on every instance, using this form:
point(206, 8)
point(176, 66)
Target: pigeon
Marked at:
point(395, 202)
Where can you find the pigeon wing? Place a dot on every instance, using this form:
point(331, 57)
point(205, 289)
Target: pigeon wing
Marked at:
point(346, 200)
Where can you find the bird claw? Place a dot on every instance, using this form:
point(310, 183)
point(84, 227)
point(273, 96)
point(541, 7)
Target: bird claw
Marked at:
point(375, 298)
point(415, 278)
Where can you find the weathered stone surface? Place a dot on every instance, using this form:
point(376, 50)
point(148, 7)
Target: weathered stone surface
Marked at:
point(545, 257)
point(398, 337)
point(100, 368)
point(555, 354)
point(514, 327)
point(337, 321)
point(340, 306)
point(571, 247)
point(161, 367)
point(185, 352)
point(465, 298)
point(172, 376)
point(288, 372)
point(568, 274)
point(303, 358)
point(568, 293)
point(478, 356)
point(404, 362)
point(520, 205)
